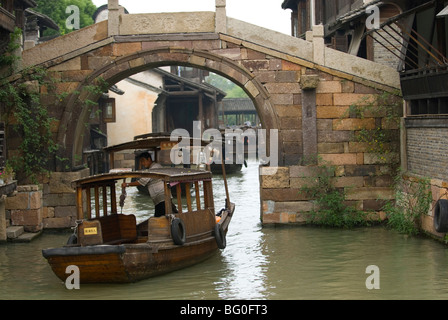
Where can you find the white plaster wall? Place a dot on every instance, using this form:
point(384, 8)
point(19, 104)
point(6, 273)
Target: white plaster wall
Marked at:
point(134, 108)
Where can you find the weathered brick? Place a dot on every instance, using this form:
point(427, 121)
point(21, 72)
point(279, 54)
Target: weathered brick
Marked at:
point(256, 64)
point(265, 76)
point(26, 217)
point(363, 89)
point(18, 202)
point(330, 147)
point(293, 147)
point(65, 211)
point(283, 98)
point(294, 111)
point(291, 135)
point(332, 112)
point(289, 66)
point(348, 99)
point(362, 170)
point(347, 86)
point(324, 99)
point(373, 205)
point(358, 146)
point(334, 136)
point(288, 87)
point(370, 193)
point(274, 177)
point(57, 223)
point(329, 87)
point(47, 212)
point(290, 123)
point(122, 49)
point(60, 199)
point(375, 158)
point(275, 64)
point(251, 54)
point(206, 44)
point(342, 182)
point(234, 54)
point(35, 200)
point(324, 124)
point(271, 218)
point(287, 76)
point(296, 206)
point(339, 158)
point(281, 195)
point(354, 124)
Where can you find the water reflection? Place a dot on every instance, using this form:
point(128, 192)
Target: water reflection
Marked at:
point(245, 264)
point(258, 263)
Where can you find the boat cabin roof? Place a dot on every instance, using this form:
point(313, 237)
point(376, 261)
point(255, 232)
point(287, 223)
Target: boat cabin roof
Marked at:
point(166, 174)
point(153, 141)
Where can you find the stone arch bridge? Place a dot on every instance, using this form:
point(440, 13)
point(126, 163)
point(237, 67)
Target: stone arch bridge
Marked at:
point(299, 87)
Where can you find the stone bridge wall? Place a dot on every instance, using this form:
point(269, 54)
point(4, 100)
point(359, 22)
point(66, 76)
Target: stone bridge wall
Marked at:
point(300, 88)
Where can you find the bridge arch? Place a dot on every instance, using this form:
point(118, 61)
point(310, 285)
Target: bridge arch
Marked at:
point(73, 119)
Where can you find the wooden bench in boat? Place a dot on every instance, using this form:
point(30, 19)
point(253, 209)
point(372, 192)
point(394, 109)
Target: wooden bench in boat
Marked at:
point(112, 229)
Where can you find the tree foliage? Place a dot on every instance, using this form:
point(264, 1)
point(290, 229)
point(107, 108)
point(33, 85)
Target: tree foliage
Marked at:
point(56, 10)
point(231, 89)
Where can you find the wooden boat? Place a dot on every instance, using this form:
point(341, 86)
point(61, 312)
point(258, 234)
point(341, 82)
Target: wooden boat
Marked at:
point(110, 247)
point(156, 144)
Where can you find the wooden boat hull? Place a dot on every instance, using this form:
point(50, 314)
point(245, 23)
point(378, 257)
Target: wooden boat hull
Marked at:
point(230, 168)
point(127, 262)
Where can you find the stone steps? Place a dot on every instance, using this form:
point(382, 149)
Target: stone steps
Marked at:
point(18, 234)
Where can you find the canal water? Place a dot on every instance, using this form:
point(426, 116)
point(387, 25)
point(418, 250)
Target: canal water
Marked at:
point(286, 263)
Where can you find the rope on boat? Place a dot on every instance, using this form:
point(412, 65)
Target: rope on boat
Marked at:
point(122, 198)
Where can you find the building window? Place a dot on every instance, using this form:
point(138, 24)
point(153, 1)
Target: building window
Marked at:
point(109, 110)
point(433, 106)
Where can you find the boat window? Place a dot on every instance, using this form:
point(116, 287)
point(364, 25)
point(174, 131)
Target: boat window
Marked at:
point(188, 196)
point(98, 201)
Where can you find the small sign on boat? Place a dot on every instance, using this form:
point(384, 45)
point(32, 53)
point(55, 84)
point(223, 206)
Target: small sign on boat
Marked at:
point(90, 231)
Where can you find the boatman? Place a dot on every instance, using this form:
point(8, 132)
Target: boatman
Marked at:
point(155, 187)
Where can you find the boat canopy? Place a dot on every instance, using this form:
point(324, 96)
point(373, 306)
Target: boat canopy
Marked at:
point(168, 175)
point(154, 142)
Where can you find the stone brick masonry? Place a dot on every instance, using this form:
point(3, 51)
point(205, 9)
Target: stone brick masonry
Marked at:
point(300, 88)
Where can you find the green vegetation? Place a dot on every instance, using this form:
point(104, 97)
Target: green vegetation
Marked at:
point(330, 206)
point(412, 196)
point(24, 112)
point(231, 89)
point(9, 58)
point(412, 201)
point(382, 140)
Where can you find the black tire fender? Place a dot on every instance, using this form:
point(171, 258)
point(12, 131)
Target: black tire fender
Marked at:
point(178, 231)
point(441, 216)
point(220, 236)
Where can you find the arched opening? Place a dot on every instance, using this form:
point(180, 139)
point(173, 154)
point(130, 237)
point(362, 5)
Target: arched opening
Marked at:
point(76, 115)
point(164, 99)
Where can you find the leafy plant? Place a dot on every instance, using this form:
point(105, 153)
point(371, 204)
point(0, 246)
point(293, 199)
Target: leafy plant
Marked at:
point(8, 58)
point(413, 199)
point(330, 208)
point(31, 121)
point(382, 140)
